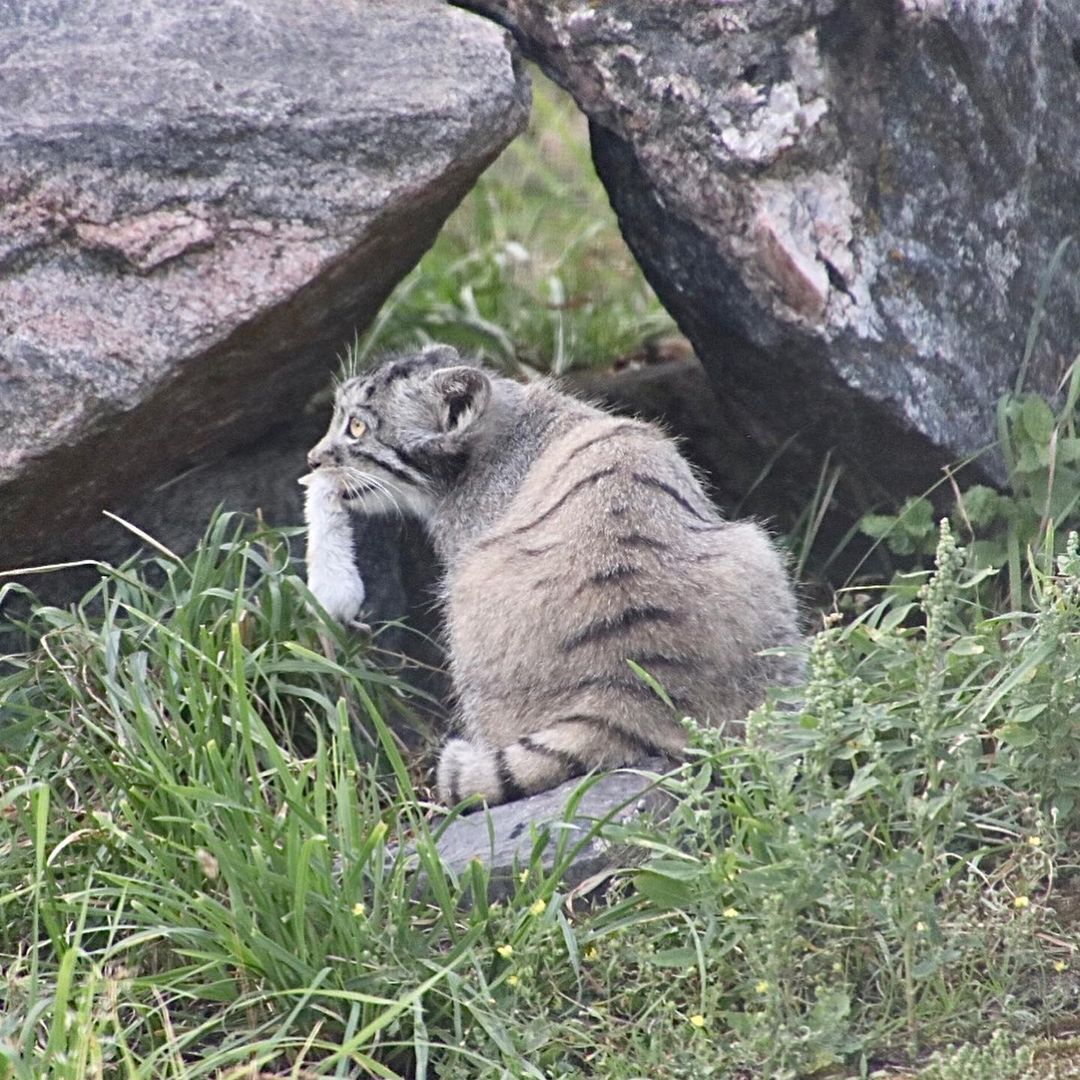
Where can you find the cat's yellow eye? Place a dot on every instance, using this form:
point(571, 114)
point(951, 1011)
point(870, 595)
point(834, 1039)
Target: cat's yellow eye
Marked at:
point(357, 427)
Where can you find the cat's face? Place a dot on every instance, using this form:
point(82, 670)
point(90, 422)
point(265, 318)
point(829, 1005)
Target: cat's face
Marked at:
point(400, 432)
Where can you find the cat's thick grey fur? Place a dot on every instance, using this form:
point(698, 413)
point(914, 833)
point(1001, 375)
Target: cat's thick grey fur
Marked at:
point(574, 542)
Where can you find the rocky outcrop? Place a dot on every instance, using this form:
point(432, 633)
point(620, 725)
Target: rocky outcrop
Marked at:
point(200, 205)
point(848, 207)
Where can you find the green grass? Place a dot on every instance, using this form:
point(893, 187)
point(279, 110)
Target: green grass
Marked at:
point(181, 881)
point(531, 270)
point(211, 852)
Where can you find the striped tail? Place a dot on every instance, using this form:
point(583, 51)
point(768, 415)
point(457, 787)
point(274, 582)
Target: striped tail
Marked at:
point(538, 761)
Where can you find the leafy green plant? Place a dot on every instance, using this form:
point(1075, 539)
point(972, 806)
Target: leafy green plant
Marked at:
point(873, 870)
point(1027, 520)
point(997, 1060)
point(1040, 1059)
point(1023, 525)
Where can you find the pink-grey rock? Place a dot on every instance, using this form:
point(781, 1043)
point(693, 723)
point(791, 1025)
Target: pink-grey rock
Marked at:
point(200, 205)
point(848, 207)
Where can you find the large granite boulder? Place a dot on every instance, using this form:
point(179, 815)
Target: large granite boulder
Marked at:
point(200, 205)
point(847, 206)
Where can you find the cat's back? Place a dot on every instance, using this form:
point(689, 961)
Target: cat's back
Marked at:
point(610, 551)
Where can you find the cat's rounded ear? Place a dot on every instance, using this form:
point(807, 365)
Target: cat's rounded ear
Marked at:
point(463, 394)
point(439, 355)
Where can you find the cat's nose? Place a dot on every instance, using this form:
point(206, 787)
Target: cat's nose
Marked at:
point(314, 460)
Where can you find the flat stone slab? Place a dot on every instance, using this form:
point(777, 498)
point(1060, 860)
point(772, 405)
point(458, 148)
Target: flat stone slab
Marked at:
point(504, 837)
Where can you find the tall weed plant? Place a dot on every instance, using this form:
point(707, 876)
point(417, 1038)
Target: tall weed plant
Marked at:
point(878, 870)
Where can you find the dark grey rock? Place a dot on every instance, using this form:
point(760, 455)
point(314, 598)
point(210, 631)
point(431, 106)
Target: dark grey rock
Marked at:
point(847, 206)
point(503, 837)
point(200, 205)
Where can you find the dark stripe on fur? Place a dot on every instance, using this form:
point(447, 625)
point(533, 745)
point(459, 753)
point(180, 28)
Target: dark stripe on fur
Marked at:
point(393, 470)
point(540, 549)
point(574, 765)
point(592, 478)
point(393, 372)
point(620, 429)
point(403, 368)
point(434, 464)
point(650, 660)
point(574, 488)
point(636, 539)
point(608, 626)
point(673, 493)
point(407, 458)
point(634, 738)
point(445, 468)
point(455, 789)
point(508, 786)
point(411, 365)
point(612, 573)
point(705, 556)
point(630, 685)
point(562, 696)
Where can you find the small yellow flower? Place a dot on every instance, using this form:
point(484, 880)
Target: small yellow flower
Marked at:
point(1021, 902)
point(762, 987)
point(592, 953)
point(1060, 966)
point(920, 927)
point(513, 980)
point(523, 876)
point(697, 1020)
point(1035, 841)
point(731, 913)
point(538, 907)
point(505, 951)
point(358, 909)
